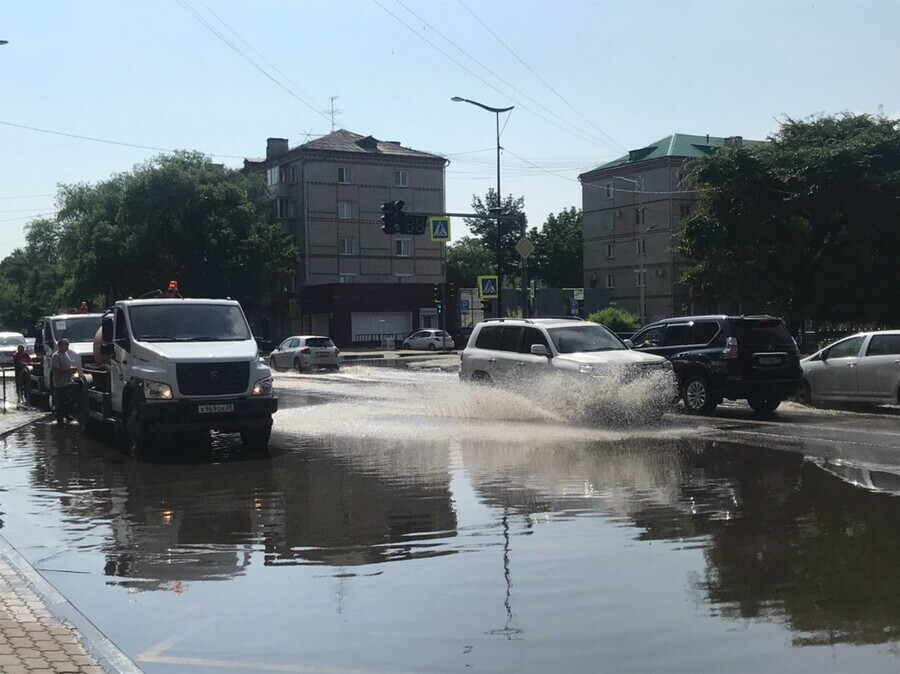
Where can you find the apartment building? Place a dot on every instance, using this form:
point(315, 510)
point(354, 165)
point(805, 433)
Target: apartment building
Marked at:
point(352, 281)
point(633, 207)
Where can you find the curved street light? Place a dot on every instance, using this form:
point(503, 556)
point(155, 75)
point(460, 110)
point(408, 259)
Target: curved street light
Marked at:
point(496, 111)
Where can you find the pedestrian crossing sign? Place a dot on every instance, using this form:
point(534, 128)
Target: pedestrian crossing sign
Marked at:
point(487, 287)
point(439, 228)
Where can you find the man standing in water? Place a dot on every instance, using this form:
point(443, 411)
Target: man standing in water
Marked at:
point(64, 370)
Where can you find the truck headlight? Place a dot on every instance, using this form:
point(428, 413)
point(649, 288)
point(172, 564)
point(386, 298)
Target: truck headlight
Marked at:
point(263, 387)
point(156, 390)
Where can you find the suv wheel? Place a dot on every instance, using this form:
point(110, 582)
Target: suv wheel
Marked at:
point(480, 377)
point(698, 399)
point(804, 393)
point(764, 405)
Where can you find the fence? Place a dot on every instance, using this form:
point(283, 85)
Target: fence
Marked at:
point(377, 339)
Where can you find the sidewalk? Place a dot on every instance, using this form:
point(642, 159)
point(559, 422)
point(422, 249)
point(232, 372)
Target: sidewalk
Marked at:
point(40, 631)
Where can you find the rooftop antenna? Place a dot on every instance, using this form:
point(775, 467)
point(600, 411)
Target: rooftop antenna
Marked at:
point(333, 111)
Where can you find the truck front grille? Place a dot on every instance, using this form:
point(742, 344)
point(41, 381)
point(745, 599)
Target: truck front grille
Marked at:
point(212, 379)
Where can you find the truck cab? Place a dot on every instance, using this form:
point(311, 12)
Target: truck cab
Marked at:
point(79, 329)
point(176, 365)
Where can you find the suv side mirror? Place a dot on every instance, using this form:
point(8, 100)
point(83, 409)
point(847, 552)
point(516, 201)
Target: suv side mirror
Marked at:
point(539, 350)
point(629, 343)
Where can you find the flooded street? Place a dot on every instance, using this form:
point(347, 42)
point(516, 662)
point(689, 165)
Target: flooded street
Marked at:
point(407, 523)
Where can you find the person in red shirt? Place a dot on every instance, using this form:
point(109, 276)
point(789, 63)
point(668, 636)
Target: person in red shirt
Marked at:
point(21, 359)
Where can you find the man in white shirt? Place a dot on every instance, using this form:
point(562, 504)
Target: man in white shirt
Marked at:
point(63, 371)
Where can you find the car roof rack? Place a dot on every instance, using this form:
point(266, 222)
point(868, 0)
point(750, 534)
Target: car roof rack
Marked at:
point(529, 320)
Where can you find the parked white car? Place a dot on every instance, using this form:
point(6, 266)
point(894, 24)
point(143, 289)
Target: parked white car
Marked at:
point(428, 340)
point(862, 368)
point(9, 342)
point(304, 352)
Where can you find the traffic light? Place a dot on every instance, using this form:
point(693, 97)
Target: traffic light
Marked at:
point(438, 298)
point(393, 219)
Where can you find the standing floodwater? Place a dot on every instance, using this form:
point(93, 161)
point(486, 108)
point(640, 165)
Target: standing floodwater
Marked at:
point(402, 525)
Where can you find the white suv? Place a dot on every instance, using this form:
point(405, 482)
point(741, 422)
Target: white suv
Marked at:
point(513, 351)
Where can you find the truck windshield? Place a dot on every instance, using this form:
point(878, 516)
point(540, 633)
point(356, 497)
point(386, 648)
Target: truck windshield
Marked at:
point(188, 322)
point(76, 328)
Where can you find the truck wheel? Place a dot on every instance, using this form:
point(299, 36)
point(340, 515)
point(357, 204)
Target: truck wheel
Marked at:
point(138, 437)
point(698, 399)
point(90, 427)
point(256, 439)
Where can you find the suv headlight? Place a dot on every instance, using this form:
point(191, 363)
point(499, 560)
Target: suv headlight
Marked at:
point(263, 387)
point(586, 369)
point(156, 390)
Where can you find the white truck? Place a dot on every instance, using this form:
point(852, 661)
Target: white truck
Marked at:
point(171, 366)
point(79, 329)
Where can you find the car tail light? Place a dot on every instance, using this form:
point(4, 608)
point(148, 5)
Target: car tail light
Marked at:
point(731, 348)
point(305, 350)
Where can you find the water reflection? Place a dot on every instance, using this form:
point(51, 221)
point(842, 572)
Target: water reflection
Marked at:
point(781, 539)
point(194, 521)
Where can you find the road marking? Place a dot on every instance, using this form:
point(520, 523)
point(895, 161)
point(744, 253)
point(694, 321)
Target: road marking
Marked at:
point(155, 654)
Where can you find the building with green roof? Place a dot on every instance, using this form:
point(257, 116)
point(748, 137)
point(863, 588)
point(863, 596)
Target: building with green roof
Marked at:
point(632, 207)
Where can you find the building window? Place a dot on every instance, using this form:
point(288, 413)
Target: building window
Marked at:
point(402, 247)
point(345, 210)
point(684, 210)
point(285, 208)
point(640, 247)
point(345, 175)
point(401, 178)
point(607, 190)
point(348, 245)
point(272, 176)
point(610, 282)
point(610, 250)
point(639, 215)
point(640, 278)
point(403, 278)
point(609, 219)
point(348, 278)
point(280, 174)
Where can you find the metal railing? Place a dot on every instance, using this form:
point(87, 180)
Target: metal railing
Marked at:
point(377, 338)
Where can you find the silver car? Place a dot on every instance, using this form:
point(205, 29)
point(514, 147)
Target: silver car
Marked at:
point(862, 368)
point(428, 340)
point(305, 352)
point(9, 342)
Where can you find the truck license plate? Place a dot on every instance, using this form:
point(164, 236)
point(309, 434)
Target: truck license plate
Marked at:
point(215, 409)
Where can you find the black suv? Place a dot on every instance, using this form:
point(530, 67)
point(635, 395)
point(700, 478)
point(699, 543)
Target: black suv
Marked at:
point(752, 358)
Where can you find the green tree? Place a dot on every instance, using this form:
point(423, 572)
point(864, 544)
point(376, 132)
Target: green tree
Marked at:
point(467, 259)
point(617, 320)
point(485, 230)
point(558, 250)
point(806, 225)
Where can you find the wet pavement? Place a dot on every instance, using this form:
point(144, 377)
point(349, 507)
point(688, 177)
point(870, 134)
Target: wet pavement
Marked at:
point(406, 523)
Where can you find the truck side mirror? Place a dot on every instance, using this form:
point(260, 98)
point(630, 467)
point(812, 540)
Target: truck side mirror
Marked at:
point(106, 329)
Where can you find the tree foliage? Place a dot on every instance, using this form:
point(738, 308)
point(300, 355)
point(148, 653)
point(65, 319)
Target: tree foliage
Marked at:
point(617, 320)
point(558, 250)
point(177, 216)
point(485, 230)
point(467, 259)
point(806, 225)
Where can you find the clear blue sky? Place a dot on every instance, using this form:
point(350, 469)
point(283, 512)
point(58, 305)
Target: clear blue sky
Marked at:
point(150, 73)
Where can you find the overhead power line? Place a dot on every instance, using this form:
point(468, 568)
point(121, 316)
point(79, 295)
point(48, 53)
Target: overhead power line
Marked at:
point(434, 46)
point(108, 142)
point(540, 79)
point(212, 29)
point(447, 40)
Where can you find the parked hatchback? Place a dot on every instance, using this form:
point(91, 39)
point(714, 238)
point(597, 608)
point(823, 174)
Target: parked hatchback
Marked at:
point(518, 351)
point(752, 358)
point(863, 368)
point(428, 340)
point(304, 352)
point(9, 343)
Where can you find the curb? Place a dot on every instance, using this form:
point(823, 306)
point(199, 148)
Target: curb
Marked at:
point(34, 416)
point(104, 651)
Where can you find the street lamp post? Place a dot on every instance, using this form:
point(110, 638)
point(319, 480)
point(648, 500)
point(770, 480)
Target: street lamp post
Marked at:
point(496, 111)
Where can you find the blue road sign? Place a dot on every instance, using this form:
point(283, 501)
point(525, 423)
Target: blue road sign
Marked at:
point(439, 228)
point(487, 287)
point(464, 306)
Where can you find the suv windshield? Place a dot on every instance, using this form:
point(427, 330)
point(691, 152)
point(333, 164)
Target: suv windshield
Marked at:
point(188, 323)
point(582, 338)
point(77, 329)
